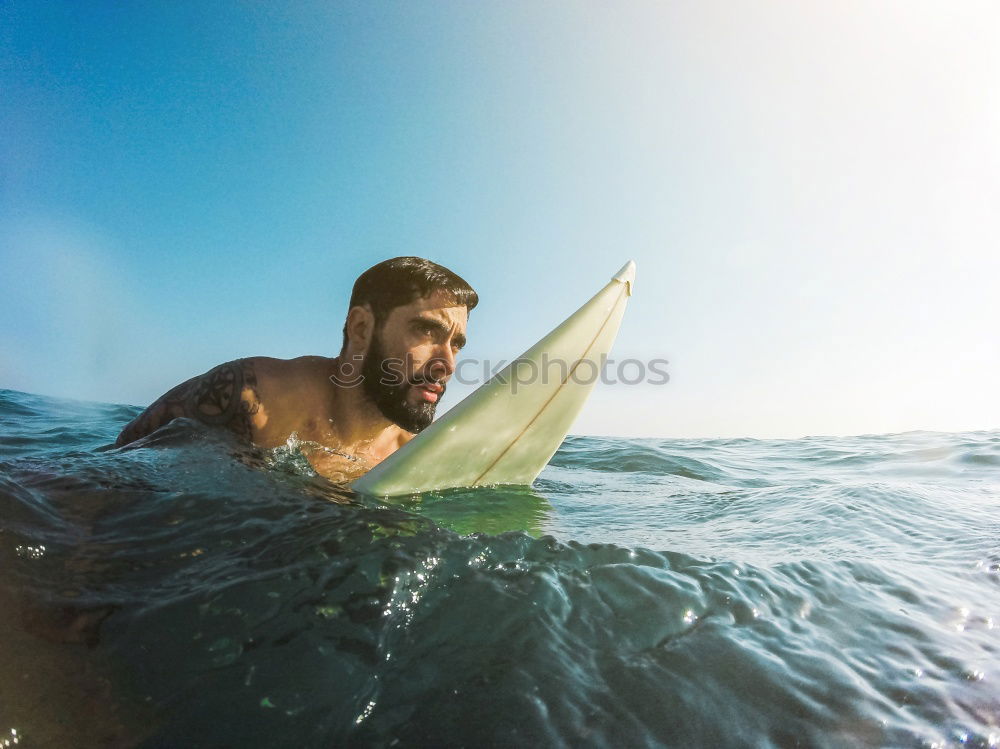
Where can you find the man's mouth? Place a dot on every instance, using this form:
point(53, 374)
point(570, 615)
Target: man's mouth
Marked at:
point(429, 391)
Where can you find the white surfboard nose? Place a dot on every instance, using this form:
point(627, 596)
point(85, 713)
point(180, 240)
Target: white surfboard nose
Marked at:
point(626, 275)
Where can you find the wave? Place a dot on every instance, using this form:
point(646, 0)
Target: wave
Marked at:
point(188, 590)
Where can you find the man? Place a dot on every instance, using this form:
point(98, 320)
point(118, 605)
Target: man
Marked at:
point(405, 326)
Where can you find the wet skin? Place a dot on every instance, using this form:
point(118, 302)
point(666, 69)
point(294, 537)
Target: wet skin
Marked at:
point(320, 400)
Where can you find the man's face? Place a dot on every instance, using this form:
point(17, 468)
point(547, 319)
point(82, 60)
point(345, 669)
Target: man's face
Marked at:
point(411, 358)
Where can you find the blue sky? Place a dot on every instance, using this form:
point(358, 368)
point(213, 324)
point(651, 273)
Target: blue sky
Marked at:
point(809, 191)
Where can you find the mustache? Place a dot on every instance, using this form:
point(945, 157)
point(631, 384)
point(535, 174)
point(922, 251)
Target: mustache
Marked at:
point(422, 379)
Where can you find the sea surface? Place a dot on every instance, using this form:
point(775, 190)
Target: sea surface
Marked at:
point(185, 591)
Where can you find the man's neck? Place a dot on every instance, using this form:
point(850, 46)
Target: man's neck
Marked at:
point(356, 421)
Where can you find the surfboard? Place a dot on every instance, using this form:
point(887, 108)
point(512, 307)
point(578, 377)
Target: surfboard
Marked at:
point(506, 431)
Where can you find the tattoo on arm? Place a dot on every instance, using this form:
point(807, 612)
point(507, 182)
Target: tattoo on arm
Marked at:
point(225, 396)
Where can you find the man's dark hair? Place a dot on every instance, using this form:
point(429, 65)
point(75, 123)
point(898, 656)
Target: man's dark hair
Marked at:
point(401, 280)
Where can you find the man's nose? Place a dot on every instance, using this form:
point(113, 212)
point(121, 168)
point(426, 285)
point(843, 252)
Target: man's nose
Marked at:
point(442, 366)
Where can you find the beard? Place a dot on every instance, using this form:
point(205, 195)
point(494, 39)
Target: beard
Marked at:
point(391, 398)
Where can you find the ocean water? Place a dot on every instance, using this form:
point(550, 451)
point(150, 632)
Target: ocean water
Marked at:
point(189, 592)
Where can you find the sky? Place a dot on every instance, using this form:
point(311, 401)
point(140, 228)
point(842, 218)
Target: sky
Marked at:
point(810, 192)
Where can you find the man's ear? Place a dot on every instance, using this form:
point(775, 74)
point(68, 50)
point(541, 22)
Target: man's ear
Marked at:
point(360, 327)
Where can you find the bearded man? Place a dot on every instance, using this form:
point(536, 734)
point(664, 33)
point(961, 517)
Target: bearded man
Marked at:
point(405, 326)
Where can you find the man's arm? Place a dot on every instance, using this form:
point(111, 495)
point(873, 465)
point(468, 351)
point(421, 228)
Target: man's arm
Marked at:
point(225, 396)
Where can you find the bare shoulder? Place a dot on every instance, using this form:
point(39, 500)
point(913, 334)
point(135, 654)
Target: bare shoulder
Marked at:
point(225, 396)
point(268, 367)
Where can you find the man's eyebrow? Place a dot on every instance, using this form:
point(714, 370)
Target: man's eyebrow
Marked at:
point(440, 327)
point(430, 323)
